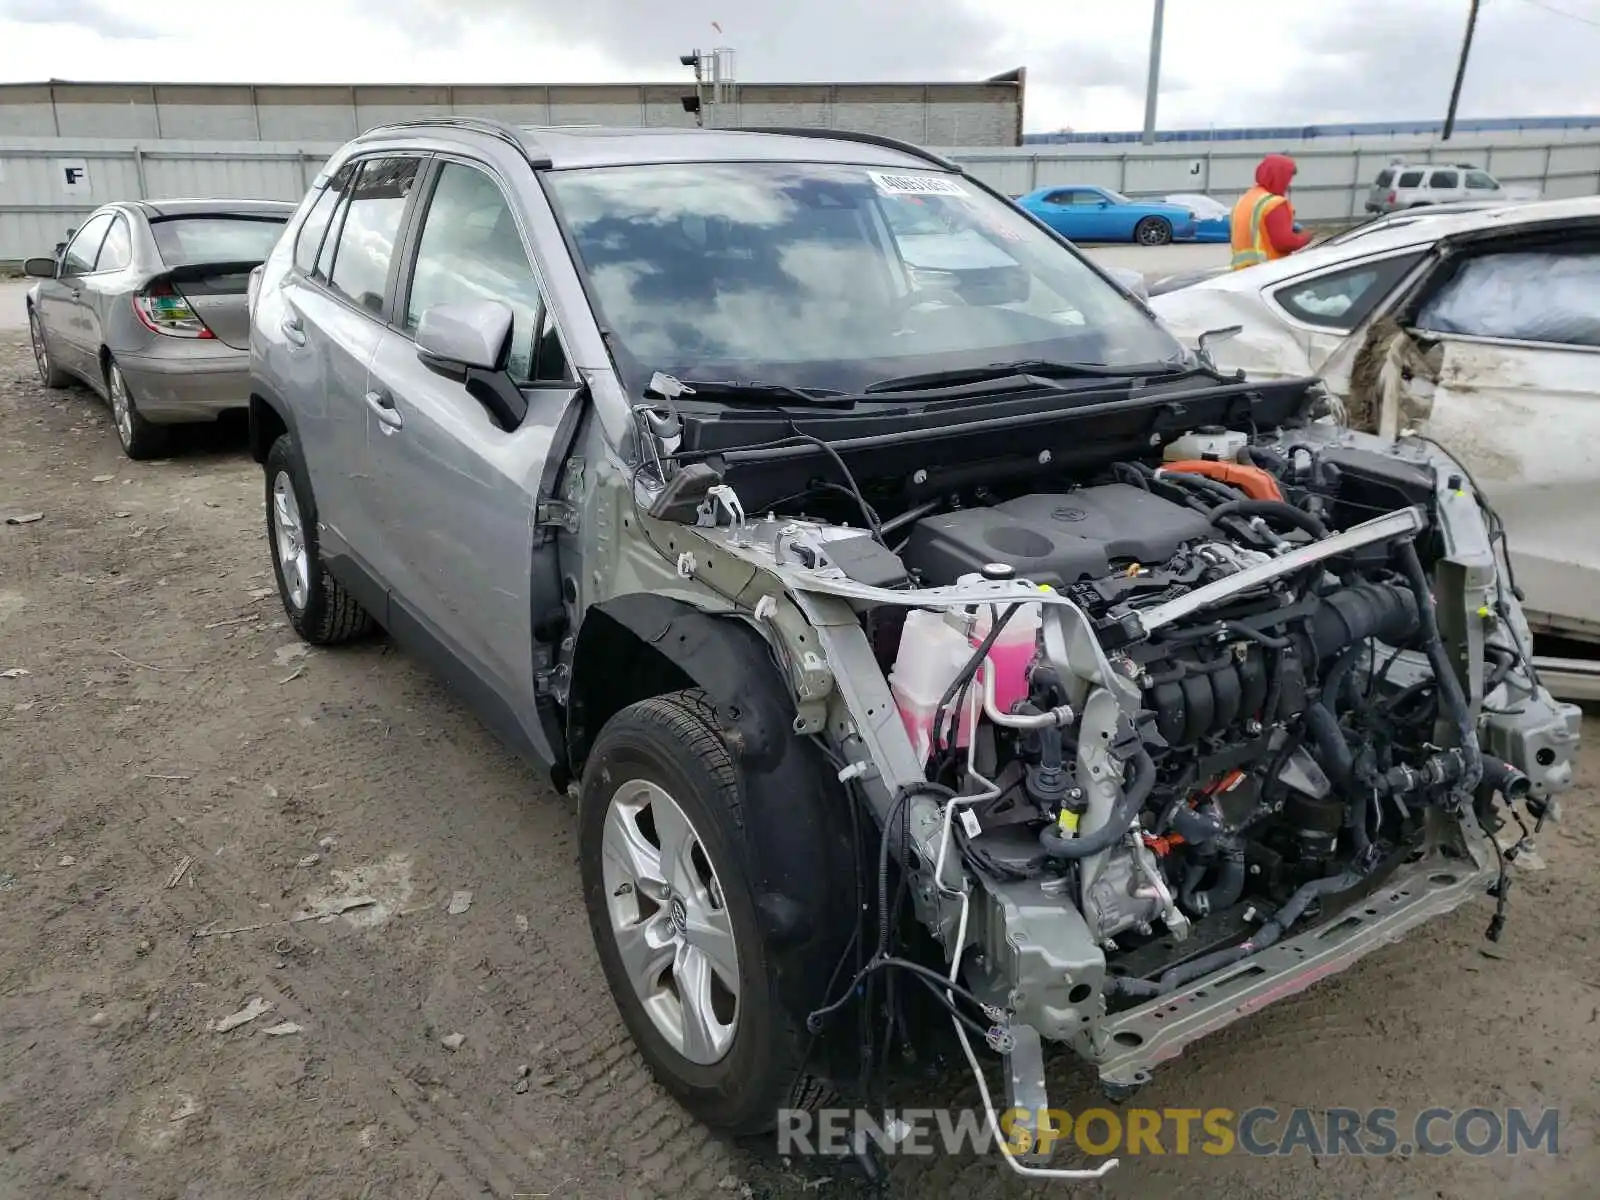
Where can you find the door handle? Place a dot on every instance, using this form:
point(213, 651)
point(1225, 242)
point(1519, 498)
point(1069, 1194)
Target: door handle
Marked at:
point(382, 403)
point(293, 331)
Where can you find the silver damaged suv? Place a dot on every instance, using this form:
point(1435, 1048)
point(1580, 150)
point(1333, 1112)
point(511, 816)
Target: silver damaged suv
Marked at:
point(936, 659)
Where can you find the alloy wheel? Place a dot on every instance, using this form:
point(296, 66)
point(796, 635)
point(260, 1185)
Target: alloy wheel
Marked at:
point(41, 352)
point(288, 530)
point(121, 405)
point(671, 924)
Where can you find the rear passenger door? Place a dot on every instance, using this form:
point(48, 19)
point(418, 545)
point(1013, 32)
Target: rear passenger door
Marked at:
point(1445, 186)
point(338, 309)
point(468, 567)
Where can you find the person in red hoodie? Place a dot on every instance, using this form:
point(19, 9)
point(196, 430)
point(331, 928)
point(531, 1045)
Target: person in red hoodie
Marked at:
point(1263, 226)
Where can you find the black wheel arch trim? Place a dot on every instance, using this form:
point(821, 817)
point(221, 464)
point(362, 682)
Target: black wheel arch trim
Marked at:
point(263, 397)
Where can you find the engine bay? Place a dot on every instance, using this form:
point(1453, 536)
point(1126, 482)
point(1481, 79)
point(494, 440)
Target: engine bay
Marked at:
point(1167, 711)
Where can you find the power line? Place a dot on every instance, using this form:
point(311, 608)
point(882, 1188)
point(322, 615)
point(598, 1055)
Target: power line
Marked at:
point(1561, 12)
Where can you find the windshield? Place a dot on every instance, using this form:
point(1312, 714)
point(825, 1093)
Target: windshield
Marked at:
point(828, 276)
point(192, 241)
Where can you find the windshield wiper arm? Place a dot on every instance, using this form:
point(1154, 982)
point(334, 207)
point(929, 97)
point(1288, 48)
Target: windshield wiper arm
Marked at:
point(734, 391)
point(1037, 367)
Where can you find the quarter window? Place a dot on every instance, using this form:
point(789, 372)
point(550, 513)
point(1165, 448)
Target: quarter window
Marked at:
point(1343, 299)
point(117, 250)
point(1385, 178)
point(360, 268)
point(470, 249)
point(308, 242)
point(1410, 179)
point(85, 247)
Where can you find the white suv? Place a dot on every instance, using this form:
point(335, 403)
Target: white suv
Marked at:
point(1411, 185)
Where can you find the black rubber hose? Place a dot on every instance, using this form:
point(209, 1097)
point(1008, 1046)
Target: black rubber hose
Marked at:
point(1363, 610)
point(968, 673)
point(1451, 698)
point(1269, 510)
point(1220, 492)
point(1224, 893)
point(1293, 909)
point(1123, 815)
point(1501, 777)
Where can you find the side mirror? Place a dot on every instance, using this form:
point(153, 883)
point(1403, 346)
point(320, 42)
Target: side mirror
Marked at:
point(471, 336)
point(1104, 204)
point(39, 268)
point(1212, 337)
point(471, 342)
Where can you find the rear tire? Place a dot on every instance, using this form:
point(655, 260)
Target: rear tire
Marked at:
point(140, 439)
point(317, 605)
point(668, 755)
point(50, 375)
point(1153, 231)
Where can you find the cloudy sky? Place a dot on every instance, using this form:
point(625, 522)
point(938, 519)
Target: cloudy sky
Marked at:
point(1354, 60)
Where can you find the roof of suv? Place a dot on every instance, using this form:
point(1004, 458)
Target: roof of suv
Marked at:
point(564, 147)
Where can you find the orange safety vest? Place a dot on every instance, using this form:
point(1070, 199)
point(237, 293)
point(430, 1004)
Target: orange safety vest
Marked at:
point(1247, 230)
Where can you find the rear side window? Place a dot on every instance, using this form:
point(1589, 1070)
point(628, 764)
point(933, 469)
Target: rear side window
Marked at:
point(217, 238)
point(1385, 178)
point(309, 240)
point(1445, 179)
point(1482, 181)
point(1343, 299)
point(117, 250)
point(1411, 179)
point(85, 247)
point(371, 225)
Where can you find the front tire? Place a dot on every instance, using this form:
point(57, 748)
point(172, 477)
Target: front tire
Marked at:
point(320, 609)
point(671, 896)
point(140, 439)
point(1153, 231)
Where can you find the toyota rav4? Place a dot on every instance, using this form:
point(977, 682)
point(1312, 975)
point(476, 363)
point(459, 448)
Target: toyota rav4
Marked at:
point(936, 663)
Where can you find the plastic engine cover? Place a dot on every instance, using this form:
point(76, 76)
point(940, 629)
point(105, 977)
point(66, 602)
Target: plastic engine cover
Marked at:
point(1055, 539)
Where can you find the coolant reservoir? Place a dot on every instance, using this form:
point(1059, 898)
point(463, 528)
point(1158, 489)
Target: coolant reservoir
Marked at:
point(931, 656)
point(1209, 441)
point(1013, 651)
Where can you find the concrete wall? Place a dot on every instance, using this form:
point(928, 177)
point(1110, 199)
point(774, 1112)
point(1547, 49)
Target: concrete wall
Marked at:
point(38, 203)
point(934, 114)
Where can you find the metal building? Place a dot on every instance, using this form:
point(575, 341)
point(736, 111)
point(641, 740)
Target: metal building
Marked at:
point(987, 113)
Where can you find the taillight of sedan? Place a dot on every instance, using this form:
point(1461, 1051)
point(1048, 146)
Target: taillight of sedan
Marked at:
point(163, 309)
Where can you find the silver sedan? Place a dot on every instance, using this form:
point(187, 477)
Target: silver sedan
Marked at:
point(146, 303)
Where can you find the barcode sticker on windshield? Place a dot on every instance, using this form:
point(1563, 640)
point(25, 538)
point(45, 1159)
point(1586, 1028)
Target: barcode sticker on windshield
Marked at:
point(917, 185)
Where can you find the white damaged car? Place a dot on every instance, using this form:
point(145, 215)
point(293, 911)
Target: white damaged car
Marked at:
point(1480, 331)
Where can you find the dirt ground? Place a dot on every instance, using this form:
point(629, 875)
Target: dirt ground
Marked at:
point(175, 765)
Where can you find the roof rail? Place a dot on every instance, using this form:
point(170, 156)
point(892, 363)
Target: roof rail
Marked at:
point(509, 134)
point(849, 135)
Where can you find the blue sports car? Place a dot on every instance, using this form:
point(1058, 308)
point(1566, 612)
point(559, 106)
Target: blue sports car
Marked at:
point(1096, 214)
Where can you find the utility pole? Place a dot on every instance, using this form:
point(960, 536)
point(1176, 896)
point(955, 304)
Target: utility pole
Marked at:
point(1153, 84)
point(1461, 71)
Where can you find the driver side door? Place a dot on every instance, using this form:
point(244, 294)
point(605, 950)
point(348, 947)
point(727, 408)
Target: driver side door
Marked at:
point(469, 569)
point(63, 311)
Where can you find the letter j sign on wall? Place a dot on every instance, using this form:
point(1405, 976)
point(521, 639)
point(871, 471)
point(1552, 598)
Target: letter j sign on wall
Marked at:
point(72, 176)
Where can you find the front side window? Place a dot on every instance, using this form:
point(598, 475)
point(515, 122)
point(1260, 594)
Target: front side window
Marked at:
point(116, 252)
point(85, 247)
point(365, 250)
point(1445, 180)
point(819, 275)
point(1482, 181)
point(1343, 299)
point(1527, 296)
point(470, 249)
point(216, 238)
